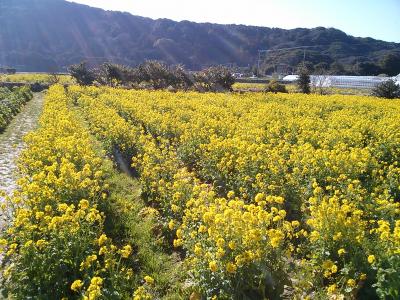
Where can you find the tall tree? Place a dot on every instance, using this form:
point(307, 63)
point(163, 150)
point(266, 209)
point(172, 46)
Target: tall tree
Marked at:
point(303, 82)
point(367, 68)
point(391, 64)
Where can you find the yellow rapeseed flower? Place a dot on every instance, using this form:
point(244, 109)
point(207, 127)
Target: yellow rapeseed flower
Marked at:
point(213, 266)
point(41, 244)
point(149, 280)
point(76, 285)
point(171, 224)
point(126, 251)
point(351, 283)
point(231, 267)
point(332, 289)
point(371, 259)
point(102, 239)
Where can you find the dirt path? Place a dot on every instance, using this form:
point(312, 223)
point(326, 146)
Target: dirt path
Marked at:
point(11, 142)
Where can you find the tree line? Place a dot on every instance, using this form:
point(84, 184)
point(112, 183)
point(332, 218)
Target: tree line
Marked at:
point(154, 75)
point(388, 64)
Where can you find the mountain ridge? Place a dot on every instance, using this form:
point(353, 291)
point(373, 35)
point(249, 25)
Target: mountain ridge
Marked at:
point(41, 35)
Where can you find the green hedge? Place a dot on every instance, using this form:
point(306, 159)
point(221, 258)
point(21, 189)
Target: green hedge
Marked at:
point(11, 102)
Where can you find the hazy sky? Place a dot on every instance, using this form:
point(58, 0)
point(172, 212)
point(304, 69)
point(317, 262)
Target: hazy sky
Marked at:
point(379, 19)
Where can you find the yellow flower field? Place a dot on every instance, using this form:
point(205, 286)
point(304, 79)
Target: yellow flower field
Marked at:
point(260, 195)
point(37, 77)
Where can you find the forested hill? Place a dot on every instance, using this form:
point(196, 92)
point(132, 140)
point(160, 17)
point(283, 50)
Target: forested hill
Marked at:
point(43, 35)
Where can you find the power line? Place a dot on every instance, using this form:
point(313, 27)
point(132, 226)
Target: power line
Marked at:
point(282, 49)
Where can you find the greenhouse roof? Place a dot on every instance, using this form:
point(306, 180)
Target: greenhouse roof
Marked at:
point(343, 80)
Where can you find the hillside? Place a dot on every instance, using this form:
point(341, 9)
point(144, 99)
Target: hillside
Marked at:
point(43, 35)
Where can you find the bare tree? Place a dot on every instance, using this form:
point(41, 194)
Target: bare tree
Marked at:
point(82, 74)
point(54, 77)
point(320, 84)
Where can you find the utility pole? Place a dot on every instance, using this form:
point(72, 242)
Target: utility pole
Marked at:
point(283, 49)
point(259, 60)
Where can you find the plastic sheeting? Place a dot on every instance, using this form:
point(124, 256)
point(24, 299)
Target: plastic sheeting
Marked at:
point(358, 82)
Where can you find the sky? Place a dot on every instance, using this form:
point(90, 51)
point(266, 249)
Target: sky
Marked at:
point(379, 19)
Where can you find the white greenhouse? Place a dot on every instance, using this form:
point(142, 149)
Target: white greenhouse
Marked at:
point(397, 79)
point(354, 82)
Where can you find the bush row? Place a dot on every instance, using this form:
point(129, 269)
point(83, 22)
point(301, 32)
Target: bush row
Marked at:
point(154, 75)
point(11, 102)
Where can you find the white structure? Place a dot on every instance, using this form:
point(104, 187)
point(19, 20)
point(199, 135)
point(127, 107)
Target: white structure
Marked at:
point(290, 78)
point(397, 79)
point(355, 82)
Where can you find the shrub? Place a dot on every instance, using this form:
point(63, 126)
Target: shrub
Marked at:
point(388, 89)
point(275, 87)
point(82, 74)
point(156, 73)
point(181, 79)
point(11, 103)
point(214, 79)
point(113, 74)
